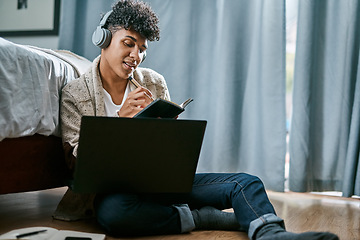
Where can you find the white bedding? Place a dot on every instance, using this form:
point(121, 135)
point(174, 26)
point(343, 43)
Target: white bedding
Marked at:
point(31, 80)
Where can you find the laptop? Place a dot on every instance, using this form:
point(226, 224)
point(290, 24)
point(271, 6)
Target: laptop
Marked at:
point(144, 155)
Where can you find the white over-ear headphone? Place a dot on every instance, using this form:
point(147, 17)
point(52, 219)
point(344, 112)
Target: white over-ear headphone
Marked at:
point(102, 36)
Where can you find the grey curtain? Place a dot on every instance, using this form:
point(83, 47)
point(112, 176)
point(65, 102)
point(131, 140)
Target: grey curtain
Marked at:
point(229, 55)
point(324, 135)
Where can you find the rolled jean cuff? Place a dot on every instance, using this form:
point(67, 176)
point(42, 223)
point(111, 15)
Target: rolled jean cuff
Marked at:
point(186, 218)
point(256, 224)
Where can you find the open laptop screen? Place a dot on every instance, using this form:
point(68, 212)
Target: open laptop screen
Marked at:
point(137, 155)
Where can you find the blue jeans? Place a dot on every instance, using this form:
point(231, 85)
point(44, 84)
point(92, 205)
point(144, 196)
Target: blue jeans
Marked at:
point(132, 214)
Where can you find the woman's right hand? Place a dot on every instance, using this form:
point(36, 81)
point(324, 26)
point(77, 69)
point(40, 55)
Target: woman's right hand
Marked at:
point(135, 102)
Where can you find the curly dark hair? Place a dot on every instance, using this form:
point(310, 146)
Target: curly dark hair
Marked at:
point(135, 15)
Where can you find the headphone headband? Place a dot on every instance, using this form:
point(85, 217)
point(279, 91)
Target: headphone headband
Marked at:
point(105, 18)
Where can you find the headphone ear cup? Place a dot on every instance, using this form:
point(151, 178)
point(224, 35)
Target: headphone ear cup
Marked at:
point(101, 37)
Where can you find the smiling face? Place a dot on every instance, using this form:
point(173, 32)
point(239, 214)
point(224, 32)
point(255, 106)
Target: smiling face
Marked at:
point(123, 55)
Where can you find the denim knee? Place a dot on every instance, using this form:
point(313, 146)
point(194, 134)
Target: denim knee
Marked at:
point(245, 180)
point(251, 185)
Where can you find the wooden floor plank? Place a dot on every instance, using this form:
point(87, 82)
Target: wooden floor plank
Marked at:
point(302, 212)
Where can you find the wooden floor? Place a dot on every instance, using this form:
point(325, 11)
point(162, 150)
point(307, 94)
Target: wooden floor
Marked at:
point(302, 212)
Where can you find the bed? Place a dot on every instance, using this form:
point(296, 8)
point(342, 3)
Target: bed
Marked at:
point(31, 79)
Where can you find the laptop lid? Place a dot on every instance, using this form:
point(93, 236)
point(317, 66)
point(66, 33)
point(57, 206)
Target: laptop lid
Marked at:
point(137, 155)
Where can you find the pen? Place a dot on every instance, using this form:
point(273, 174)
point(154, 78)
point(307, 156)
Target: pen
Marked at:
point(30, 233)
point(133, 81)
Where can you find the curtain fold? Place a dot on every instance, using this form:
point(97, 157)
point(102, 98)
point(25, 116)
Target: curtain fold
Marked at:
point(229, 55)
point(324, 135)
point(351, 182)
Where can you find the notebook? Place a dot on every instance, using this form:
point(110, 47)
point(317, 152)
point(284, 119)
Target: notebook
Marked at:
point(144, 155)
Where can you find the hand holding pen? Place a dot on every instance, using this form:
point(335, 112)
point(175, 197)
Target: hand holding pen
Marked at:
point(133, 81)
point(136, 100)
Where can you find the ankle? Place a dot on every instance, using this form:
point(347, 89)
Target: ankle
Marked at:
point(209, 218)
point(274, 231)
point(269, 230)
